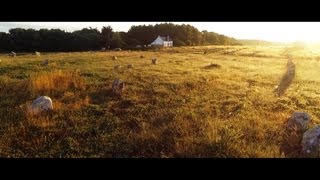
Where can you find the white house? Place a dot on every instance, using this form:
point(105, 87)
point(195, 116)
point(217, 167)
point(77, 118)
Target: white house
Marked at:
point(162, 41)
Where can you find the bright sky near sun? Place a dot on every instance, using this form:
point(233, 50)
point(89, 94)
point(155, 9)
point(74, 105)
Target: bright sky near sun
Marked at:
point(269, 31)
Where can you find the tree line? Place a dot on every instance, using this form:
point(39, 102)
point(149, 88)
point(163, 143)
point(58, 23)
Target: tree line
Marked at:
point(56, 40)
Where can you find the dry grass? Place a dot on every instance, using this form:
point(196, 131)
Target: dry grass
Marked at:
point(47, 83)
point(177, 108)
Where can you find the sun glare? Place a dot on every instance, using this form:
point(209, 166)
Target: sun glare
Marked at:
point(307, 32)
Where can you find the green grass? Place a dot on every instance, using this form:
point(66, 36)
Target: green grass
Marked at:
point(181, 107)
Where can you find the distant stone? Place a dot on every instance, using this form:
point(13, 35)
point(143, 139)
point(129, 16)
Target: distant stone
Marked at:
point(130, 66)
point(45, 62)
point(117, 49)
point(154, 61)
point(103, 49)
point(114, 58)
point(12, 54)
point(141, 56)
point(118, 87)
point(41, 104)
point(117, 67)
point(311, 143)
point(37, 53)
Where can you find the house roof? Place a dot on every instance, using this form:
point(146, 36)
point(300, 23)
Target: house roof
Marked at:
point(165, 38)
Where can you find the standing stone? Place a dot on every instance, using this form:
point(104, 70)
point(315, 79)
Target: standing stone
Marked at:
point(154, 61)
point(45, 62)
point(130, 65)
point(41, 104)
point(12, 54)
point(118, 87)
point(114, 58)
point(294, 128)
point(117, 49)
point(117, 67)
point(311, 142)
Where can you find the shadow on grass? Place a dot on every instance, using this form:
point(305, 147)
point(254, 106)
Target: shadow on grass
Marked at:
point(212, 66)
point(287, 79)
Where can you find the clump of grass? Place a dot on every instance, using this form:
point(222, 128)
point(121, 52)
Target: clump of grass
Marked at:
point(74, 100)
point(55, 82)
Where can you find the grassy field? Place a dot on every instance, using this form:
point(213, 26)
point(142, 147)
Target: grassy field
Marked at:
point(181, 107)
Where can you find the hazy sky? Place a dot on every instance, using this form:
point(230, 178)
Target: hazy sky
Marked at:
point(270, 31)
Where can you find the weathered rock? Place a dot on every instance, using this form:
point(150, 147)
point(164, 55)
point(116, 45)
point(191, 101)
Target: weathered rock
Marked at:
point(45, 62)
point(117, 49)
point(311, 142)
point(117, 67)
point(12, 54)
point(299, 121)
point(118, 87)
point(130, 65)
point(114, 58)
point(294, 128)
point(41, 104)
point(154, 61)
point(37, 53)
point(141, 56)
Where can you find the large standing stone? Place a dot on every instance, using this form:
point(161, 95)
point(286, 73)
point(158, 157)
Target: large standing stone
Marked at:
point(294, 128)
point(311, 142)
point(41, 104)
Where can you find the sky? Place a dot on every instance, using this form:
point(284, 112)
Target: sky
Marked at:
point(269, 31)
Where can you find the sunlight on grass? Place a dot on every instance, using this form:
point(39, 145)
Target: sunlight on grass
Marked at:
point(210, 101)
